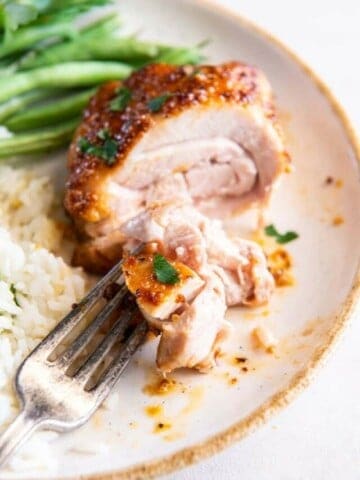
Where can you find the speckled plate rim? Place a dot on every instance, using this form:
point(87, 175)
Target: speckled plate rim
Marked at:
point(239, 430)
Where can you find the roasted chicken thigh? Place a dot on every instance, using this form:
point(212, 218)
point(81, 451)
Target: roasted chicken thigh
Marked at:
point(161, 159)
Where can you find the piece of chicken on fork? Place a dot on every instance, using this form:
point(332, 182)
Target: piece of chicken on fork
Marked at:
point(159, 158)
point(190, 314)
point(188, 311)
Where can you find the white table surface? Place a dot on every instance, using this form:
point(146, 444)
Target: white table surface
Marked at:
point(318, 436)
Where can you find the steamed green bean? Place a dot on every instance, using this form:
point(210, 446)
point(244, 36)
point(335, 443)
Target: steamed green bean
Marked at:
point(180, 56)
point(26, 37)
point(72, 50)
point(38, 141)
point(71, 74)
point(20, 102)
point(53, 112)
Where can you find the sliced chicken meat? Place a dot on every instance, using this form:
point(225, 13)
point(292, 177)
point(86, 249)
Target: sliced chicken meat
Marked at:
point(189, 146)
point(192, 337)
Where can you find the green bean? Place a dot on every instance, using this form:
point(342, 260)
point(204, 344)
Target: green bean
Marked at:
point(109, 48)
point(180, 56)
point(5, 62)
point(125, 49)
point(103, 25)
point(51, 113)
point(25, 38)
point(72, 50)
point(71, 74)
point(18, 103)
point(38, 141)
point(122, 48)
point(56, 11)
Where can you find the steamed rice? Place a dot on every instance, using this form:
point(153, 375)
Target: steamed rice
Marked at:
point(37, 286)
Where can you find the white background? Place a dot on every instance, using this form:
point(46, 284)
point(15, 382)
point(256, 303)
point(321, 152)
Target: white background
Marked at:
point(318, 436)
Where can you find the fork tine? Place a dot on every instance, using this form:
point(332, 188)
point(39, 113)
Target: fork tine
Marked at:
point(72, 319)
point(88, 368)
point(115, 369)
point(84, 338)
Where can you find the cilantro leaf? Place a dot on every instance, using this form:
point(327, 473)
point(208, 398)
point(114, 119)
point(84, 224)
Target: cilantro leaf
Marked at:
point(271, 231)
point(155, 104)
point(122, 99)
point(281, 238)
point(103, 133)
point(107, 151)
point(84, 145)
point(164, 271)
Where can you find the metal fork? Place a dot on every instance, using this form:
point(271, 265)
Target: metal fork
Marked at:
point(51, 394)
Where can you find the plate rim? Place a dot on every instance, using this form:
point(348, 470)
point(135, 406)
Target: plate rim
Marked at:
point(215, 443)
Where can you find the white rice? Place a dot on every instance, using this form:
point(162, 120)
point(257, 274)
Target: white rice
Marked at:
point(37, 287)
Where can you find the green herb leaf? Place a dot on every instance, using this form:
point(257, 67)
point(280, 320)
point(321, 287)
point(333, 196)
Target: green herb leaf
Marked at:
point(107, 152)
point(14, 292)
point(281, 238)
point(84, 145)
point(103, 134)
point(155, 104)
point(164, 271)
point(122, 99)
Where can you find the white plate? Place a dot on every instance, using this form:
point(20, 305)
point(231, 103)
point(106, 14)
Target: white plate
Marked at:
point(205, 413)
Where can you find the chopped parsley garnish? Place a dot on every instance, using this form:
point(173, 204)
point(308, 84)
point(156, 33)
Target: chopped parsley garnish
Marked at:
point(286, 237)
point(103, 134)
point(155, 104)
point(122, 99)
point(164, 271)
point(14, 292)
point(107, 151)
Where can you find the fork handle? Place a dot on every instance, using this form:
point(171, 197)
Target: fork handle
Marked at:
point(16, 434)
